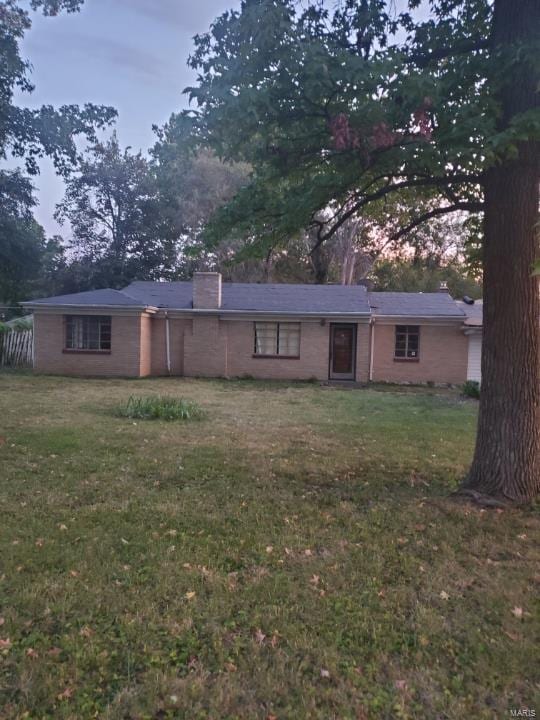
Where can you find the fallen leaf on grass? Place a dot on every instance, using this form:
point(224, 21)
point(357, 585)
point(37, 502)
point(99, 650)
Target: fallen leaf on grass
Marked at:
point(5, 643)
point(190, 594)
point(54, 651)
point(66, 694)
point(31, 653)
point(74, 573)
point(259, 636)
point(2, 621)
point(517, 612)
point(325, 673)
point(40, 542)
point(444, 595)
point(230, 667)
point(269, 549)
point(512, 636)
point(400, 684)
point(62, 526)
point(314, 580)
point(86, 631)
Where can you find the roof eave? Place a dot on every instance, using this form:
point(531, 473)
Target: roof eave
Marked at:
point(87, 306)
point(413, 316)
point(270, 313)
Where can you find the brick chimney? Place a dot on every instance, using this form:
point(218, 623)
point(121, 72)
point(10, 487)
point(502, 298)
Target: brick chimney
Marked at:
point(206, 290)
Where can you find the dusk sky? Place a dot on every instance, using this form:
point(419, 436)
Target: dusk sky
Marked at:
point(130, 54)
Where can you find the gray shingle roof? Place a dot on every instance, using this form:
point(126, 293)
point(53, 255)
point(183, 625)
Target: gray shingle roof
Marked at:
point(278, 298)
point(261, 297)
point(90, 298)
point(178, 295)
point(474, 312)
point(438, 304)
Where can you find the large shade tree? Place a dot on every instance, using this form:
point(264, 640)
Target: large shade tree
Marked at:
point(26, 135)
point(31, 133)
point(341, 108)
point(120, 230)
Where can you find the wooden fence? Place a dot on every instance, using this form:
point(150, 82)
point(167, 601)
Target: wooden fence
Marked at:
point(16, 348)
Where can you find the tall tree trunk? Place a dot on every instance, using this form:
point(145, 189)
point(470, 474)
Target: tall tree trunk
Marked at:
point(506, 462)
point(319, 263)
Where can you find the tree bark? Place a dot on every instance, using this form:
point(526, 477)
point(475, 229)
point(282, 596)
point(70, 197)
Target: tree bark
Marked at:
point(506, 462)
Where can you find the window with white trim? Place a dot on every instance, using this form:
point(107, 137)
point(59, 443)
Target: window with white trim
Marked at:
point(407, 346)
point(88, 332)
point(277, 339)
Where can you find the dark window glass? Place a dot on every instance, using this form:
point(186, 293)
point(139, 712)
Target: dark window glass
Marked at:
point(88, 332)
point(277, 339)
point(407, 344)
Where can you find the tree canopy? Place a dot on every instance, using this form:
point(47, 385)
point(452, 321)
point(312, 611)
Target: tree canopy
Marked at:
point(32, 133)
point(341, 108)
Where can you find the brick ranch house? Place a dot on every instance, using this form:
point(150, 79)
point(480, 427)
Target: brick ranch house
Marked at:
point(206, 328)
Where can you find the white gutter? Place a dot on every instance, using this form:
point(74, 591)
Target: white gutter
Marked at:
point(419, 317)
point(168, 343)
point(269, 313)
point(371, 348)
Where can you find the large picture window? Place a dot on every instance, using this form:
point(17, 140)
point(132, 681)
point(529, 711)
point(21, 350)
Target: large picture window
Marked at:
point(277, 339)
point(88, 332)
point(407, 345)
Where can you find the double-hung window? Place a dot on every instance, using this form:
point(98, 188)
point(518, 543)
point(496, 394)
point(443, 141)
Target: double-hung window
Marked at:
point(277, 339)
point(88, 332)
point(407, 346)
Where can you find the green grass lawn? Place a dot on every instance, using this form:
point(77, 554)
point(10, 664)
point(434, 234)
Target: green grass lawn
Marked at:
point(293, 554)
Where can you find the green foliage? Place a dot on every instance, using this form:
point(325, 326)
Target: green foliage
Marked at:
point(342, 108)
point(160, 408)
point(30, 134)
point(119, 231)
point(16, 325)
point(403, 276)
point(471, 389)
point(22, 240)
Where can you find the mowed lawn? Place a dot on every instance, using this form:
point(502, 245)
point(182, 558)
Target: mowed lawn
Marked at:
point(293, 555)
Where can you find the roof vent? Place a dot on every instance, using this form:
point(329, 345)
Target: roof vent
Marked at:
point(468, 300)
point(443, 286)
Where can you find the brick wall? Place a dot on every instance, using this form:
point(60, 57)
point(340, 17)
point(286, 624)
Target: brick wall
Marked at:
point(443, 355)
point(145, 365)
point(362, 352)
point(209, 347)
point(313, 360)
point(205, 348)
point(123, 360)
point(207, 290)
point(177, 329)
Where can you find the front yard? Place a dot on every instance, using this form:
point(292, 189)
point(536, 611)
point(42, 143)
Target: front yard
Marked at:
point(291, 555)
